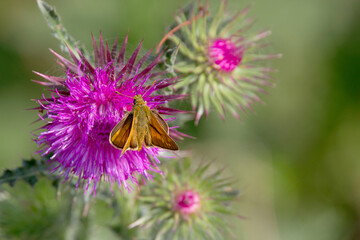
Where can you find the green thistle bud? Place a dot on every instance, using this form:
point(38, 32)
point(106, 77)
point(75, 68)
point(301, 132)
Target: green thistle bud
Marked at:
point(218, 60)
point(187, 204)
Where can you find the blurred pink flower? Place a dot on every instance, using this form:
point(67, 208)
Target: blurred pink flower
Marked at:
point(187, 202)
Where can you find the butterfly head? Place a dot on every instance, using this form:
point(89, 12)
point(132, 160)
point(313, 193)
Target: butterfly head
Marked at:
point(138, 100)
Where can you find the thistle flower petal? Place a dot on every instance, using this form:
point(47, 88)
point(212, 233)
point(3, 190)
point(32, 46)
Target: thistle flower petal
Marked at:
point(84, 107)
point(218, 60)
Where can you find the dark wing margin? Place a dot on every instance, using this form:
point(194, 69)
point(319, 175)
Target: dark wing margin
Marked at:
point(121, 132)
point(160, 120)
point(159, 138)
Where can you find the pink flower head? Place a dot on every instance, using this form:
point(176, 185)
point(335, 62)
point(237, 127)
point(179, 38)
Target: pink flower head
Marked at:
point(187, 202)
point(84, 107)
point(195, 199)
point(225, 54)
point(220, 60)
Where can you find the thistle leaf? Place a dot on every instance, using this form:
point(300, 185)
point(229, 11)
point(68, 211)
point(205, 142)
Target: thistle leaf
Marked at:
point(67, 42)
point(28, 172)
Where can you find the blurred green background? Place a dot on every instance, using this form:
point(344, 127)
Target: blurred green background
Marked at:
point(296, 159)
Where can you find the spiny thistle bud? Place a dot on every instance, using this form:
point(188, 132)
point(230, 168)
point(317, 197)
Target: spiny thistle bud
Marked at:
point(84, 106)
point(187, 204)
point(218, 60)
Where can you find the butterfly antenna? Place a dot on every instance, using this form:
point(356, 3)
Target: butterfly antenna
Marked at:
point(202, 11)
point(123, 94)
point(149, 87)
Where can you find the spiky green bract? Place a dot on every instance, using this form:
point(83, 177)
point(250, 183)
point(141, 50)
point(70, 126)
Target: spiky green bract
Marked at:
point(219, 60)
point(211, 193)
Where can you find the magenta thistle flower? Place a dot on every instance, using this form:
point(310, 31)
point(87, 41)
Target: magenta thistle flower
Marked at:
point(84, 107)
point(219, 61)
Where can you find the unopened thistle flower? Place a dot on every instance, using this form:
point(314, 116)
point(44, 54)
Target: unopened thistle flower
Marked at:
point(218, 60)
point(187, 203)
point(84, 107)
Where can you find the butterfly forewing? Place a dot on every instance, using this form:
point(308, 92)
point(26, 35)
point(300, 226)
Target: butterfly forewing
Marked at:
point(131, 141)
point(121, 132)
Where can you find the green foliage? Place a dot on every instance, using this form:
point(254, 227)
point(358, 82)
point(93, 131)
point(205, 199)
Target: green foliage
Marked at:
point(28, 172)
point(32, 213)
point(43, 212)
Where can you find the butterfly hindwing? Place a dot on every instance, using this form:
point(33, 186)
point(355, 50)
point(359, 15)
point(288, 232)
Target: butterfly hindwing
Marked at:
point(160, 138)
point(161, 121)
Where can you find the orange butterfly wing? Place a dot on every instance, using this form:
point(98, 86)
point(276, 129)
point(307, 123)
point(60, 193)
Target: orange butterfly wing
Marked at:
point(121, 135)
point(158, 135)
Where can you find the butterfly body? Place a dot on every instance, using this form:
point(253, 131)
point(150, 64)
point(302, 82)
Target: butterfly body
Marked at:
point(141, 126)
